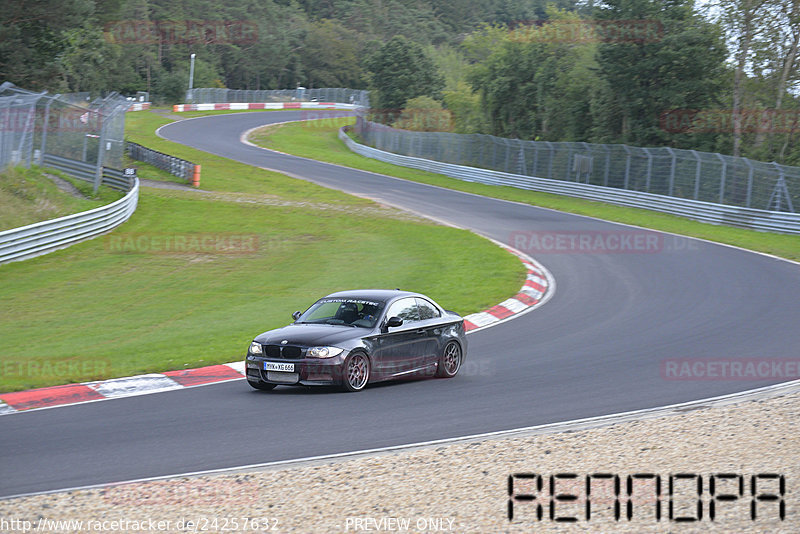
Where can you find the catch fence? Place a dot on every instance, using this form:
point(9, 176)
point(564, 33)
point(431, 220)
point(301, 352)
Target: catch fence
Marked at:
point(685, 174)
point(71, 126)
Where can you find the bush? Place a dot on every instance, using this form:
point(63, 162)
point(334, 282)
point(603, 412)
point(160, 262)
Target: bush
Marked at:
point(424, 114)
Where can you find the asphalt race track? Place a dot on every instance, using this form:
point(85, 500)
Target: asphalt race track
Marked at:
point(596, 348)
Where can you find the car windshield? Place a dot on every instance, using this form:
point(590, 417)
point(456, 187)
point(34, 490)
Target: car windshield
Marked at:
point(343, 311)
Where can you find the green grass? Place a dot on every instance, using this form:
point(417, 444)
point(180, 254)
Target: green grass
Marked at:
point(146, 171)
point(318, 140)
point(27, 196)
point(222, 174)
point(113, 306)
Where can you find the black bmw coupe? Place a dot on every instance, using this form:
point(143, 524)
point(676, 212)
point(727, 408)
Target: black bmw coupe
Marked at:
point(353, 338)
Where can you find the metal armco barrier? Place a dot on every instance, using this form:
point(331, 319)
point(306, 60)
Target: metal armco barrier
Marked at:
point(206, 95)
point(112, 178)
point(43, 237)
point(774, 221)
point(175, 166)
point(239, 106)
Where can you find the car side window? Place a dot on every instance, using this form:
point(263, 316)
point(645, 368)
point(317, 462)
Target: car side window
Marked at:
point(406, 309)
point(427, 310)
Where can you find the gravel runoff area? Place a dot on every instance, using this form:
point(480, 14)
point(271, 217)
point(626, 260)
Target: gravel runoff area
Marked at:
point(463, 487)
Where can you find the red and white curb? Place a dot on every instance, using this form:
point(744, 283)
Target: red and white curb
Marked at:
point(34, 399)
point(538, 288)
point(238, 106)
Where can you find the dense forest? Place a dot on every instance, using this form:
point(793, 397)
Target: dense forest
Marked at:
point(717, 75)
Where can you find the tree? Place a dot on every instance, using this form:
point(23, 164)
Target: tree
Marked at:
point(399, 71)
point(465, 105)
point(680, 67)
point(777, 62)
point(424, 114)
point(330, 56)
point(33, 34)
point(537, 83)
point(745, 21)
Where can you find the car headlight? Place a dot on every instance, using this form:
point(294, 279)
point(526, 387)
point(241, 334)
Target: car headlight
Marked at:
point(255, 348)
point(324, 352)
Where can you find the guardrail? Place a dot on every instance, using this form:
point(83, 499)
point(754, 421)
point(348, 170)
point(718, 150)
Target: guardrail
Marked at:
point(175, 166)
point(205, 95)
point(113, 178)
point(774, 221)
point(47, 236)
point(239, 106)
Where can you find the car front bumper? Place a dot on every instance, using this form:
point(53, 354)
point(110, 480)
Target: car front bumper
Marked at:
point(306, 371)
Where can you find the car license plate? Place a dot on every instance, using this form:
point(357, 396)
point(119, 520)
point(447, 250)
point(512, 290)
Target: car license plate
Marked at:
point(276, 366)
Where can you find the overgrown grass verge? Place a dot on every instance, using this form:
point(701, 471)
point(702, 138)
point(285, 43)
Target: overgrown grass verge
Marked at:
point(27, 196)
point(319, 140)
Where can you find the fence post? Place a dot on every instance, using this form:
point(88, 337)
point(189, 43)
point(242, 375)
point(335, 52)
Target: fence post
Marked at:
point(569, 160)
point(552, 157)
point(98, 175)
point(5, 119)
point(749, 181)
point(85, 142)
point(30, 121)
point(722, 177)
point(780, 190)
point(627, 166)
point(507, 144)
point(45, 124)
point(672, 171)
point(649, 169)
point(591, 160)
point(697, 175)
point(522, 167)
point(608, 165)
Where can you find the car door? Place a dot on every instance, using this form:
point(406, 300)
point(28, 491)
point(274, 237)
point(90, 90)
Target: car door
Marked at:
point(430, 330)
point(401, 347)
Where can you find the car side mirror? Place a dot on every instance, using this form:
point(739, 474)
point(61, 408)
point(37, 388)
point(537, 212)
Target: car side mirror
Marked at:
point(296, 315)
point(394, 321)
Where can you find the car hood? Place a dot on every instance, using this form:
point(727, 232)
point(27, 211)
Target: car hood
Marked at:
point(312, 335)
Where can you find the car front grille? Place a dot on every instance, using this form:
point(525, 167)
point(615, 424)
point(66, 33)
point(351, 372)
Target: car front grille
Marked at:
point(288, 352)
point(283, 378)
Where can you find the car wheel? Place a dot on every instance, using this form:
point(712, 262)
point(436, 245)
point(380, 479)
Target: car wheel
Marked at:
point(450, 361)
point(356, 372)
point(263, 386)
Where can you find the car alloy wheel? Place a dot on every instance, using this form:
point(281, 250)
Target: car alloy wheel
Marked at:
point(450, 361)
point(356, 371)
